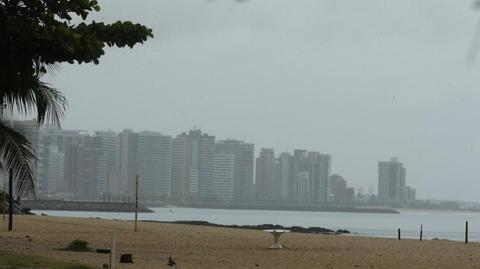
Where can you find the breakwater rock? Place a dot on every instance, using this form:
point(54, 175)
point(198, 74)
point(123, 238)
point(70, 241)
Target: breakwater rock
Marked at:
point(295, 229)
point(82, 206)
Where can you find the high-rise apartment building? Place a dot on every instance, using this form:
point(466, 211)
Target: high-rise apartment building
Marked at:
point(391, 182)
point(154, 163)
point(243, 154)
point(192, 166)
point(106, 144)
point(80, 167)
point(266, 181)
point(319, 172)
point(288, 184)
point(128, 140)
point(223, 177)
point(50, 167)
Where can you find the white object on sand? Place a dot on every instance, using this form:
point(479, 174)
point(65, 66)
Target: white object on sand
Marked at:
point(276, 235)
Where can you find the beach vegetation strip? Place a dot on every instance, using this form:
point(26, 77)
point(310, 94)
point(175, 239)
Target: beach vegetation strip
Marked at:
point(13, 260)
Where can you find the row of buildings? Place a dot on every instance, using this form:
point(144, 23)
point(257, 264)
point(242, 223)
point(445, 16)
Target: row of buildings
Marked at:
point(190, 167)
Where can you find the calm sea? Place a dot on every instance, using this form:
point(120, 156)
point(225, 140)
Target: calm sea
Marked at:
point(436, 224)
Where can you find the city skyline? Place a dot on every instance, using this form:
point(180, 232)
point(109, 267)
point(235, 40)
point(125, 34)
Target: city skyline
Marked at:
point(114, 148)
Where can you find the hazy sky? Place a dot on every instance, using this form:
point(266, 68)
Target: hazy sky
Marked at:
point(361, 80)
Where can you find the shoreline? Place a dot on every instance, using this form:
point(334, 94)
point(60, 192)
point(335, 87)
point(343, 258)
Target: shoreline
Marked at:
point(306, 208)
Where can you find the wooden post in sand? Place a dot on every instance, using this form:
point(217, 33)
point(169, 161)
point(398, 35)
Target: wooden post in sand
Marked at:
point(399, 234)
point(466, 232)
point(136, 202)
point(113, 253)
point(421, 232)
point(10, 199)
point(4, 199)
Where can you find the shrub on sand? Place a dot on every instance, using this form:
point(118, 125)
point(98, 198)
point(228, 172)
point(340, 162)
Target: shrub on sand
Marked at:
point(78, 245)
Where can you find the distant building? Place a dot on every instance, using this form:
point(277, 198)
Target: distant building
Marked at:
point(266, 184)
point(298, 178)
point(50, 165)
point(128, 140)
point(223, 177)
point(303, 177)
point(106, 144)
point(154, 165)
point(410, 194)
point(340, 194)
point(287, 171)
point(80, 167)
point(391, 183)
point(192, 166)
point(243, 154)
point(319, 171)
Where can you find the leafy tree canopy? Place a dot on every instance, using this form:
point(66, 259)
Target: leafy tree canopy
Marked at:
point(36, 36)
point(35, 33)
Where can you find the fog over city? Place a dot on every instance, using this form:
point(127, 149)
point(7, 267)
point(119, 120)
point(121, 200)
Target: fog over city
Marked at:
point(360, 80)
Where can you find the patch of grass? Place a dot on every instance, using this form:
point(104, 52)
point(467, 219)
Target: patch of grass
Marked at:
point(13, 260)
point(78, 245)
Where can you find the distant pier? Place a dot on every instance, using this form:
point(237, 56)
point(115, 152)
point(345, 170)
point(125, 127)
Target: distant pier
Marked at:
point(82, 206)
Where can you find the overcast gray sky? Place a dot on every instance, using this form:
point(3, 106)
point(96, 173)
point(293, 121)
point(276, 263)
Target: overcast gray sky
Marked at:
point(361, 80)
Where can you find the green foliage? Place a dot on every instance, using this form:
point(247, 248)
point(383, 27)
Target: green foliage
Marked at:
point(78, 245)
point(15, 260)
point(35, 37)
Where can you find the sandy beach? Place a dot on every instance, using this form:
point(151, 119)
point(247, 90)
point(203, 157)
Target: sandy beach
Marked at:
point(207, 247)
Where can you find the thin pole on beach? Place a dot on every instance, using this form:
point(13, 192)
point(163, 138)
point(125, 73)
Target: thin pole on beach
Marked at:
point(4, 198)
point(421, 232)
point(10, 200)
point(136, 202)
point(399, 238)
point(113, 251)
point(466, 232)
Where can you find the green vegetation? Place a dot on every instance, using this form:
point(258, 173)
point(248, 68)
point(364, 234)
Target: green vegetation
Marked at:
point(78, 245)
point(19, 261)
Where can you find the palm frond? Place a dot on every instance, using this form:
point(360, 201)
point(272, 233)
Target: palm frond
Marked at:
point(18, 157)
point(48, 102)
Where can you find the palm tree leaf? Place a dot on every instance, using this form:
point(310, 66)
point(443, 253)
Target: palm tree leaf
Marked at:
point(48, 102)
point(18, 157)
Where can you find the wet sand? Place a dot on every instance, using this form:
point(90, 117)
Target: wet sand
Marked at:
point(209, 247)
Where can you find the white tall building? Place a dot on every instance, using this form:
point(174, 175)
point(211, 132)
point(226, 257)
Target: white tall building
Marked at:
point(128, 162)
point(243, 154)
point(55, 173)
point(391, 182)
point(192, 166)
point(223, 177)
point(50, 167)
point(107, 181)
point(154, 163)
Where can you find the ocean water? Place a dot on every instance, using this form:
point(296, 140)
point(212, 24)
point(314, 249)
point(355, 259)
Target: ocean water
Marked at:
point(436, 224)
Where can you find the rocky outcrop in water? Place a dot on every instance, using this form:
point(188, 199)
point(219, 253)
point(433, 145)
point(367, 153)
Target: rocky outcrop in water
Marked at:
point(295, 229)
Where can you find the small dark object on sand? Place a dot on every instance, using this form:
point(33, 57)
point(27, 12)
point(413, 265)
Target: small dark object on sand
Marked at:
point(105, 265)
point(28, 238)
point(126, 258)
point(171, 262)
